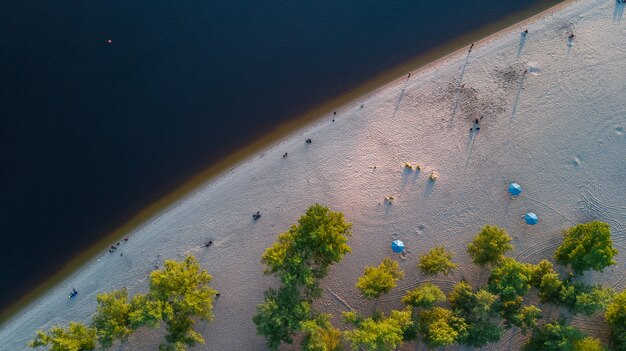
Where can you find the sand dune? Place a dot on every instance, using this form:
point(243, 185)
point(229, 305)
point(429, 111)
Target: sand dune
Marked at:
point(558, 130)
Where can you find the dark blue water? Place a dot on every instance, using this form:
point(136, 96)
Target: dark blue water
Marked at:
point(92, 132)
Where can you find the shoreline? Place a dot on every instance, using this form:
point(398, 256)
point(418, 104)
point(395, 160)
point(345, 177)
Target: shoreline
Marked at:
point(276, 135)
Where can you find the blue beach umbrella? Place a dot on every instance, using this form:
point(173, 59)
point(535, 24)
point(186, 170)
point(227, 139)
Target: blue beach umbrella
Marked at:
point(531, 218)
point(515, 189)
point(397, 246)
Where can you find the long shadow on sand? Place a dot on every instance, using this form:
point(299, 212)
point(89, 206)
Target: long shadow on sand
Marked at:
point(618, 12)
point(522, 41)
point(397, 107)
point(470, 144)
point(457, 98)
point(520, 86)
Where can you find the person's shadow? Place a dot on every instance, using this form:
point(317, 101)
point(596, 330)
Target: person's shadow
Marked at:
point(618, 12)
point(522, 41)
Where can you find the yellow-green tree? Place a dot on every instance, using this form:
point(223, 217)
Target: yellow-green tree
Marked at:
point(320, 335)
point(587, 246)
point(616, 319)
point(440, 327)
point(424, 296)
point(376, 281)
point(181, 292)
point(377, 334)
point(117, 317)
point(76, 337)
point(489, 245)
point(437, 260)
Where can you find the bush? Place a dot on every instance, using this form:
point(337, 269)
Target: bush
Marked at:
point(76, 337)
point(380, 333)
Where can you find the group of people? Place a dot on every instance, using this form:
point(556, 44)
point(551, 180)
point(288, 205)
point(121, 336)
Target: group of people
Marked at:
point(73, 293)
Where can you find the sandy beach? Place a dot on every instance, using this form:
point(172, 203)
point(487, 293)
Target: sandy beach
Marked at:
point(552, 117)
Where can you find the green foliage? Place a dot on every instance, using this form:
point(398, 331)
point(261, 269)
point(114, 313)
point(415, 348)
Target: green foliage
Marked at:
point(437, 260)
point(477, 309)
point(584, 298)
point(440, 327)
point(304, 253)
point(588, 344)
point(380, 333)
point(527, 318)
point(376, 281)
point(116, 317)
point(554, 336)
point(76, 337)
point(616, 319)
point(424, 296)
point(587, 246)
point(550, 289)
point(180, 291)
point(320, 335)
point(510, 279)
point(280, 315)
point(489, 245)
point(539, 271)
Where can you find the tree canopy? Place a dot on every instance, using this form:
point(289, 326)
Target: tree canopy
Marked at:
point(376, 281)
point(280, 315)
point(587, 246)
point(116, 317)
point(424, 296)
point(616, 319)
point(380, 333)
point(440, 327)
point(489, 245)
point(320, 335)
point(555, 336)
point(181, 291)
point(478, 311)
point(303, 253)
point(76, 337)
point(437, 260)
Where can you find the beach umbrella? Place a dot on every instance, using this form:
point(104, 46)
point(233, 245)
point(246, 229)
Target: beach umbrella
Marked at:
point(531, 218)
point(397, 246)
point(515, 189)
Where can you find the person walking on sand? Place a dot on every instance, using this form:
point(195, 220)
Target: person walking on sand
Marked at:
point(525, 32)
point(471, 47)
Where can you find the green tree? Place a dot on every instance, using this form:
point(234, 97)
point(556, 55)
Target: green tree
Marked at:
point(527, 318)
point(510, 279)
point(440, 327)
point(280, 315)
point(320, 335)
point(424, 296)
point(376, 281)
point(76, 337)
point(587, 246)
point(550, 289)
point(489, 245)
point(182, 292)
point(615, 316)
point(556, 336)
point(477, 309)
point(583, 298)
point(539, 271)
point(380, 333)
point(115, 317)
point(303, 254)
point(438, 260)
